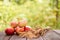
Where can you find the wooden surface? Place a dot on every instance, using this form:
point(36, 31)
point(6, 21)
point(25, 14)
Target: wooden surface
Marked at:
point(50, 35)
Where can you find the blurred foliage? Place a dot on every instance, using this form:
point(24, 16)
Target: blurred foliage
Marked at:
point(40, 13)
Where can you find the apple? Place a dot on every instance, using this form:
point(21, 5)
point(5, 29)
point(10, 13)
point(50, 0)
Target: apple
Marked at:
point(27, 28)
point(21, 30)
point(22, 23)
point(18, 29)
point(9, 31)
point(13, 24)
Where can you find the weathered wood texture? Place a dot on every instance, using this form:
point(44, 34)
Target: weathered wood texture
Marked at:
point(40, 38)
point(50, 35)
point(3, 36)
point(15, 37)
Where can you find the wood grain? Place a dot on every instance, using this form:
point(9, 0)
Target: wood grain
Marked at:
point(7, 37)
point(3, 36)
point(57, 31)
point(15, 37)
point(40, 38)
point(51, 36)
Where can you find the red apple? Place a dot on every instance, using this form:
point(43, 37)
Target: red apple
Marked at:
point(13, 24)
point(21, 29)
point(9, 31)
point(18, 29)
point(27, 28)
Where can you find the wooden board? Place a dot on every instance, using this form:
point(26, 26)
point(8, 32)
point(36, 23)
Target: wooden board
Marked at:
point(51, 35)
point(6, 37)
point(40, 38)
point(3, 36)
point(57, 31)
point(15, 37)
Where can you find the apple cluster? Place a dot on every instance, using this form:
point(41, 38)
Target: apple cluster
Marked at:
point(21, 28)
point(16, 27)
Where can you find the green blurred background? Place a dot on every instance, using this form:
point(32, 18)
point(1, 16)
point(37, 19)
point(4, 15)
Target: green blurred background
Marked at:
point(42, 13)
